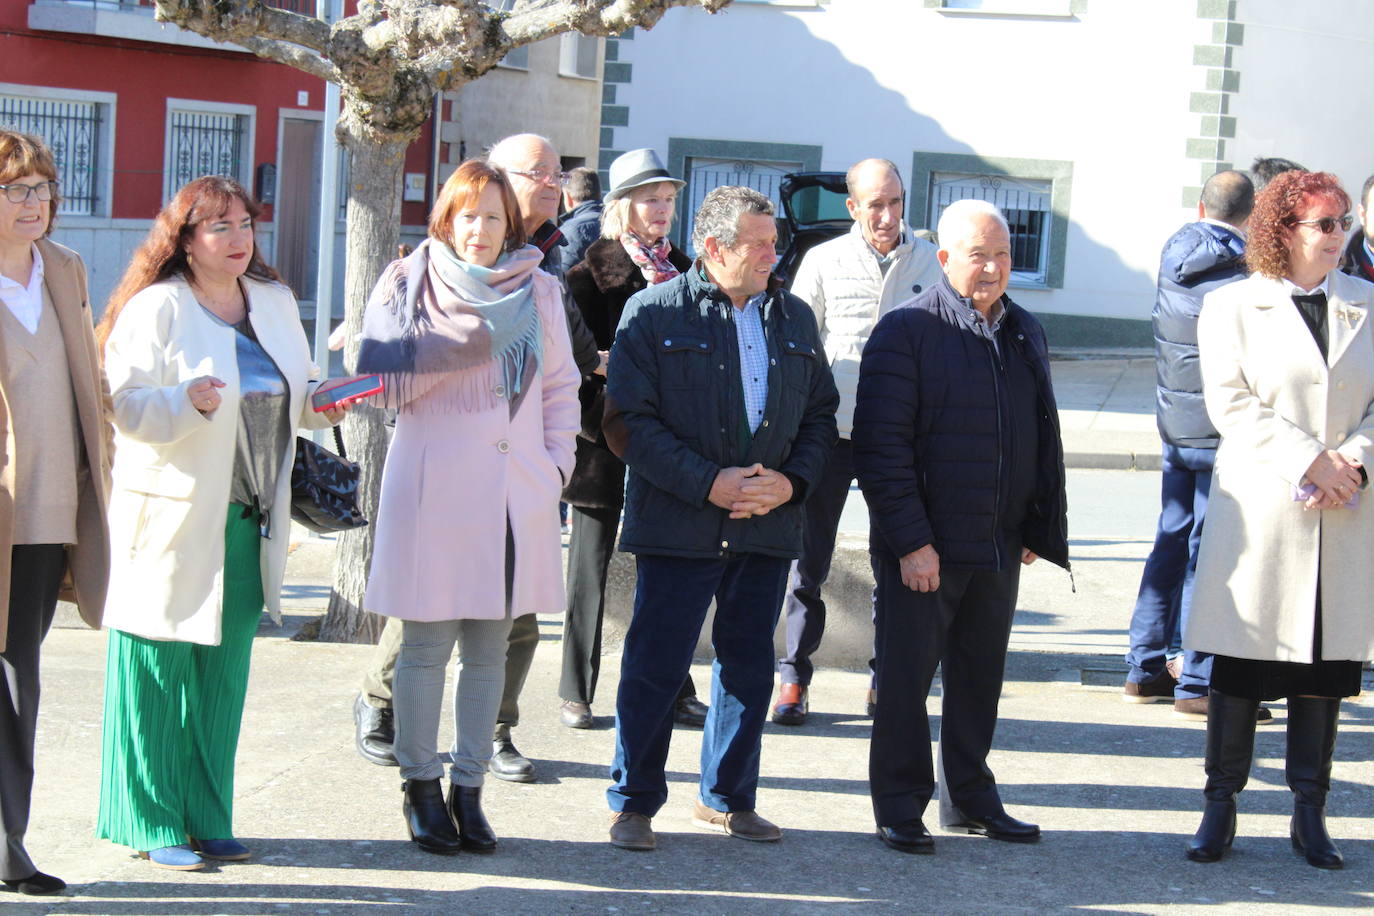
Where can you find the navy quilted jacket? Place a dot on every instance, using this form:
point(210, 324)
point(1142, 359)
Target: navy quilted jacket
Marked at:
point(929, 427)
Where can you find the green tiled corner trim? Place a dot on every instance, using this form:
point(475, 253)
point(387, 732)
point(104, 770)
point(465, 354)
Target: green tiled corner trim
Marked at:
point(616, 71)
point(1099, 333)
point(1058, 172)
point(682, 149)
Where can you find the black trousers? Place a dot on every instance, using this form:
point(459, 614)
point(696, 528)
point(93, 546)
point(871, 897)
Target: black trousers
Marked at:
point(589, 557)
point(35, 577)
point(963, 628)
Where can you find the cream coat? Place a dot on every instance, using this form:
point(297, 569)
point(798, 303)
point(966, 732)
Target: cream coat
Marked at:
point(88, 560)
point(1278, 406)
point(848, 292)
point(452, 479)
point(174, 466)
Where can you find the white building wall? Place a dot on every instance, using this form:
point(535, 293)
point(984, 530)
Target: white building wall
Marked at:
point(1107, 89)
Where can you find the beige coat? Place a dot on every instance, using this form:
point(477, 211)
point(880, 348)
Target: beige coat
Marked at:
point(1278, 406)
point(174, 466)
point(88, 560)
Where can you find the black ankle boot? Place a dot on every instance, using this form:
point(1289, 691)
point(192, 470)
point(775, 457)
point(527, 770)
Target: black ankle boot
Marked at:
point(465, 804)
point(1311, 742)
point(1230, 747)
point(427, 817)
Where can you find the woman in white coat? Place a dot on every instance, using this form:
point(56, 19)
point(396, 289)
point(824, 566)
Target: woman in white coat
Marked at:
point(1284, 573)
point(210, 374)
point(472, 343)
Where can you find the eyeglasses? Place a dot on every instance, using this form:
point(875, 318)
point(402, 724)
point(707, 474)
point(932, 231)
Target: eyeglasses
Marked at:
point(542, 177)
point(19, 193)
point(1326, 225)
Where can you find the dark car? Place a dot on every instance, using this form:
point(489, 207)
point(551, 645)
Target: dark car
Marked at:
point(813, 212)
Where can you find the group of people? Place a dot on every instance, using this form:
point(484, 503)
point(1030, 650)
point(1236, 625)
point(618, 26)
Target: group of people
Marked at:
point(725, 418)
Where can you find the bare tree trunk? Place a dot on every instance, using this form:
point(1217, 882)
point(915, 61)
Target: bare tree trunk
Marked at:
point(374, 228)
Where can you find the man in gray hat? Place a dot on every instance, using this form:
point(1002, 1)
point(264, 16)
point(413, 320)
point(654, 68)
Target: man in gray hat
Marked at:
point(849, 282)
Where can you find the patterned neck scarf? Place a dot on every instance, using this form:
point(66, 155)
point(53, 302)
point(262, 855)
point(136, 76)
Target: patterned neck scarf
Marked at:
point(652, 260)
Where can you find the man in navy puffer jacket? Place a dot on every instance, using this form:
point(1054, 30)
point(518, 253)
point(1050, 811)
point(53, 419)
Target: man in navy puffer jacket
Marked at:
point(1199, 258)
point(957, 448)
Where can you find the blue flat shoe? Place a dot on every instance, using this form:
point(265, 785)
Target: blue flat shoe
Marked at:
point(177, 858)
point(230, 850)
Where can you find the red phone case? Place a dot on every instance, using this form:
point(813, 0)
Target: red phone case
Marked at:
point(359, 387)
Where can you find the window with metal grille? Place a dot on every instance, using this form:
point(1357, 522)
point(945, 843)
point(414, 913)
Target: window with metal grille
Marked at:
point(705, 175)
point(72, 131)
point(577, 55)
point(1025, 202)
point(204, 143)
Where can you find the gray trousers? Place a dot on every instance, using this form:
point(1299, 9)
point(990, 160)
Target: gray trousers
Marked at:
point(418, 695)
point(35, 576)
point(523, 638)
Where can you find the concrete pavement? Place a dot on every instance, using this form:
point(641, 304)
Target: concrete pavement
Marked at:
point(1116, 787)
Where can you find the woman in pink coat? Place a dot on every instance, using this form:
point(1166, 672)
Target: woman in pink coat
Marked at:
point(470, 339)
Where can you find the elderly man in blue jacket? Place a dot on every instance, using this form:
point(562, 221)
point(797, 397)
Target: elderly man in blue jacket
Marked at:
point(721, 403)
point(957, 448)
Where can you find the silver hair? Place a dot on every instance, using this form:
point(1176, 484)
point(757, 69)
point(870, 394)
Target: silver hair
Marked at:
point(615, 219)
point(959, 214)
point(503, 150)
point(718, 216)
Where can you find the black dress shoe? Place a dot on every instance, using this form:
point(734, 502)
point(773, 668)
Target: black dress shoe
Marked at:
point(690, 711)
point(576, 714)
point(375, 733)
point(1000, 826)
point(36, 885)
point(909, 836)
point(506, 761)
point(465, 805)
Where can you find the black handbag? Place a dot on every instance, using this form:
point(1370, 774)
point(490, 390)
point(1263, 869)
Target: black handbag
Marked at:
point(324, 487)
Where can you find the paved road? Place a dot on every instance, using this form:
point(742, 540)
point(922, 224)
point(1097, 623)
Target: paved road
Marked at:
point(1116, 788)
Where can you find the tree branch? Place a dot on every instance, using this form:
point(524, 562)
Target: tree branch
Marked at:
point(243, 21)
point(292, 56)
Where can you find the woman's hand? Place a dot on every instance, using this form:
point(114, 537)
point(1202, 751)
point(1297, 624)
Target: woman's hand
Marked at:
point(336, 413)
point(203, 395)
point(1336, 478)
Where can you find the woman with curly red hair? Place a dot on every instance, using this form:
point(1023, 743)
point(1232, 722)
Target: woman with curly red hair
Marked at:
point(1283, 576)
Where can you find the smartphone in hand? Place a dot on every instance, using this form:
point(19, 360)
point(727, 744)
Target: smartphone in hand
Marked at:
point(331, 391)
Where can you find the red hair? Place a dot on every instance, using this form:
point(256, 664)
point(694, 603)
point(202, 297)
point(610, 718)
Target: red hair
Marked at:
point(1276, 213)
point(463, 189)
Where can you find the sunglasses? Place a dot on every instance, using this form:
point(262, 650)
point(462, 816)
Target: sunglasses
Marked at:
point(1327, 224)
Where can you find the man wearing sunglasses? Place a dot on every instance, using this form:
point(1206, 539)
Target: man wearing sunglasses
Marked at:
point(1199, 258)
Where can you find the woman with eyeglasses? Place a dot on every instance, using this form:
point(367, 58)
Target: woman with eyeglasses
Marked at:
point(1284, 576)
point(55, 410)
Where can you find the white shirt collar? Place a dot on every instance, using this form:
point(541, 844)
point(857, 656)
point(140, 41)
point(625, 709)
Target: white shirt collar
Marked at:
point(35, 276)
point(1296, 290)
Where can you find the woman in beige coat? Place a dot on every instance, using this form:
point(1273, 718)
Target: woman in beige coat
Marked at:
point(1284, 573)
point(54, 410)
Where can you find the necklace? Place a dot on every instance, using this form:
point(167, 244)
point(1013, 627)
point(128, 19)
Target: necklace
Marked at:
point(230, 308)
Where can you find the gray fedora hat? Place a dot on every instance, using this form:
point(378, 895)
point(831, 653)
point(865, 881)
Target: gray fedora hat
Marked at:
point(635, 169)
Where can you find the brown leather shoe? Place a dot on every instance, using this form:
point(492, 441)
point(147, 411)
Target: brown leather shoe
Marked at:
point(791, 707)
point(1191, 708)
point(630, 830)
point(743, 824)
point(1159, 687)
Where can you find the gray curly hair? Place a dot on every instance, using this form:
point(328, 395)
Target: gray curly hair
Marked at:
point(718, 216)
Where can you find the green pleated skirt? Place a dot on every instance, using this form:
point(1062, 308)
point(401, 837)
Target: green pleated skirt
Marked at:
point(172, 716)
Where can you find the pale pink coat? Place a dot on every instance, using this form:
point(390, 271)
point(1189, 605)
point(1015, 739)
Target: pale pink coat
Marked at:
point(451, 478)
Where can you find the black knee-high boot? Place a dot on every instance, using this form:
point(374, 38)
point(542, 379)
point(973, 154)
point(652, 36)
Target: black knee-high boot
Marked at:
point(1230, 747)
point(1311, 742)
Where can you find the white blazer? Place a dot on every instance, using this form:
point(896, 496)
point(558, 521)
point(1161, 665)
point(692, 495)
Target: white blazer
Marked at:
point(173, 466)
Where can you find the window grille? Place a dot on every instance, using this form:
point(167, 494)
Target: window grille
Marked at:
point(705, 175)
point(1024, 202)
point(204, 143)
point(72, 132)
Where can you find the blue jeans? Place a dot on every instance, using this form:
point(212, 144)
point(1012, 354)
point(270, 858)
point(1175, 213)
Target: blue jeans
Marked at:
point(672, 596)
point(1166, 586)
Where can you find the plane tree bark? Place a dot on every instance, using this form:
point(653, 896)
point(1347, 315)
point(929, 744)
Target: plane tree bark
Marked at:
point(389, 60)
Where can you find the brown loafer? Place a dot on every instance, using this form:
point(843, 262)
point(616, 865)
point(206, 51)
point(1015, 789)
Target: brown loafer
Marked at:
point(743, 824)
point(792, 707)
point(630, 830)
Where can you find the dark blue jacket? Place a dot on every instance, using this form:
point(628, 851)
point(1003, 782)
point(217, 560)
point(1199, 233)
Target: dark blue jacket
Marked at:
point(675, 414)
point(930, 423)
point(1199, 258)
point(580, 227)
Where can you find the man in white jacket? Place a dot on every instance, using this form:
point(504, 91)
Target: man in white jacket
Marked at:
point(849, 282)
